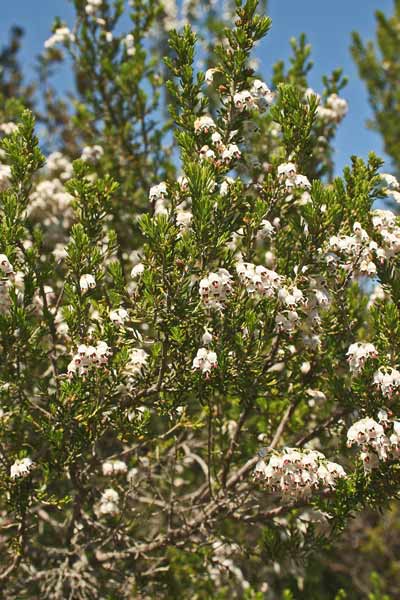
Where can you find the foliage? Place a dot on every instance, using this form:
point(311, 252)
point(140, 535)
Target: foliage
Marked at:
point(379, 66)
point(180, 297)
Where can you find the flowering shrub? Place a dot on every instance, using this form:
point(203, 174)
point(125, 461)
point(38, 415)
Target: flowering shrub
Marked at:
point(187, 327)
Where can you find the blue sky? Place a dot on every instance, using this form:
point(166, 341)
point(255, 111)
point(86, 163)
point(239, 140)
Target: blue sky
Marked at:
point(328, 26)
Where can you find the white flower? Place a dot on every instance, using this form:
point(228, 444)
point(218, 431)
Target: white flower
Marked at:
point(119, 316)
point(207, 337)
point(305, 367)
point(244, 100)
point(216, 139)
point(291, 297)
point(87, 282)
point(204, 124)
point(109, 503)
point(5, 265)
point(297, 473)
point(157, 196)
point(129, 42)
point(21, 468)
point(87, 357)
point(358, 353)
point(384, 221)
point(378, 441)
point(335, 109)
point(102, 352)
point(285, 324)
point(183, 182)
point(5, 176)
point(183, 219)
point(287, 170)
point(266, 229)
point(137, 270)
point(92, 6)
point(209, 76)
point(262, 95)
point(231, 152)
point(8, 128)
point(370, 460)
point(58, 163)
point(137, 361)
point(390, 181)
point(301, 181)
point(114, 467)
point(132, 475)
point(205, 360)
point(378, 293)
point(387, 380)
point(206, 153)
point(338, 105)
point(364, 431)
point(62, 35)
point(224, 187)
point(258, 279)
point(215, 288)
point(309, 93)
point(50, 201)
point(92, 154)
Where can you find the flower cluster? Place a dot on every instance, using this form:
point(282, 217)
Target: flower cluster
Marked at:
point(137, 361)
point(205, 360)
point(387, 380)
point(258, 279)
point(92, 6)
point(297, 473)
point(21, 468)
point(378, 440)
point(157, 196)
point(129, 43)
point(5, 266)
point(6, 282)
point(87, 282)
point(390, 186)
point(291, 299)
point(8, 128)
point(359, 252)
point(204, 124)
point(58, 164)
point(87, 357)
point(62, 35)
point(111, 468)
point(358, 353)
point(92, 154)
point(287, 173)
point(215, 288)
point(108, 504)
point(216, 150)
point(258, 97)
point(301, 307)
point(335, 109)
point(384, 222)
point(5, 174)
point(226, 153)
point(354, 252)
point(118, 316)
point(137, 270)
point(50, 203)
point(183, 219)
